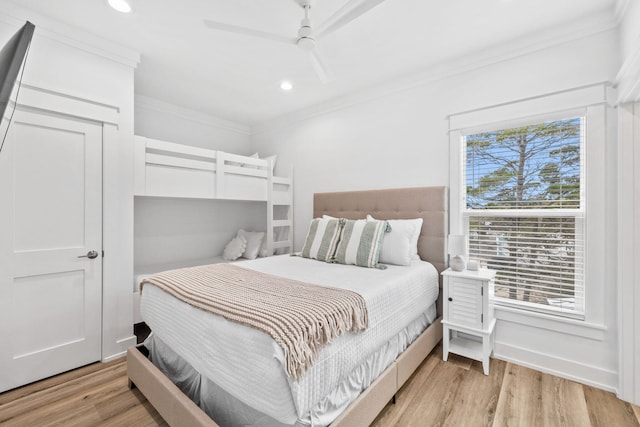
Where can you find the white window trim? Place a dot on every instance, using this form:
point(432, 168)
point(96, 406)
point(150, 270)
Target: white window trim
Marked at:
point(591, 102)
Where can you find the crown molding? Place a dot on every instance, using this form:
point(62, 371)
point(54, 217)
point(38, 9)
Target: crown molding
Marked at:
point(619, 10)
point(628, 78)
point(153, 104)
point(15, 15)
point(590, 26)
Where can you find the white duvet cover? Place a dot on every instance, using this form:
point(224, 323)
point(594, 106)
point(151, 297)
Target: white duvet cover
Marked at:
point(248, 364)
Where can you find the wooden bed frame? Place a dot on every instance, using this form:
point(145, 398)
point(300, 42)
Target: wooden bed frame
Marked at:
point(429, 203)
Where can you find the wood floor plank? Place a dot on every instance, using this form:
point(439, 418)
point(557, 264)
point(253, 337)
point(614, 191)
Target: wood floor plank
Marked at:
point(414, 386)
point(437, 397)
point(563, 402)
point(142, 415)
point(520, 401)
point(477, 396)
point(605, 409)
point(77, 408)
point(11, 395)
point(49, 396)
point(454, 393)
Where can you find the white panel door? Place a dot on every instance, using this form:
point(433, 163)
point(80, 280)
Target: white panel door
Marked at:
point(50, 216)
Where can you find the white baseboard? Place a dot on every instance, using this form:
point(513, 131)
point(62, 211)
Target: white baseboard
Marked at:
point(564, 368)
point(124, 343)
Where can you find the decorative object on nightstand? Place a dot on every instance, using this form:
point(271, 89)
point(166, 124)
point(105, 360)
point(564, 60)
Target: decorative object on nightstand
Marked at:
point(468, 321)
point(473, 265)
point(457, 251)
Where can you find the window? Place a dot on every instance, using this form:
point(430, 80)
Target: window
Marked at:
point(523, 211)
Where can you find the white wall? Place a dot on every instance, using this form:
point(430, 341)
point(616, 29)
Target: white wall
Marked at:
point(171, 230)
point(628, 78)
point(65, 60)
point(396, 139)
point(629, 204)
point(161, 120)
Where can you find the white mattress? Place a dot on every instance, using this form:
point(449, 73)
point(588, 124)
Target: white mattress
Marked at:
point(144, 271)
point(248, 364)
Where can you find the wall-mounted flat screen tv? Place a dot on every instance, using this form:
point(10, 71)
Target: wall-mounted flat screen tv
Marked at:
point(12, 58)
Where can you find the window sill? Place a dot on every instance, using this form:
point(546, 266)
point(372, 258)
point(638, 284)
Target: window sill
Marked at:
point(552, 323)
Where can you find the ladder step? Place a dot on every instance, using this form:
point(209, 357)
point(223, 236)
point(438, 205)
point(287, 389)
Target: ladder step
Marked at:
point(280, 198)
point(281, 223)
point(282, 244)
point(281, 180)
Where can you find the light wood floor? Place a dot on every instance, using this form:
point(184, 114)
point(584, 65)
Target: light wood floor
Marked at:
point(455, 393)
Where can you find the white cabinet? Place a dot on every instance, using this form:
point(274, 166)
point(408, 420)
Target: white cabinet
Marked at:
point(468, 320)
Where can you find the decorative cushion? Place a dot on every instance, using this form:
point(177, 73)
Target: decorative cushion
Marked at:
point(255, 156)
point(360, 243)
point(264, 252)
point(400, 246)
point(322, 239)
point(254, 242)
point(273, 159)
point(234, 249)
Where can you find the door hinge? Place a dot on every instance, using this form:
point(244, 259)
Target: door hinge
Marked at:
point(481, 291)
point(482, 318)
point(103, 253)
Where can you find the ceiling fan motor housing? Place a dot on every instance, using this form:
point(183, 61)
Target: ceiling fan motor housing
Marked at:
point(306, 43)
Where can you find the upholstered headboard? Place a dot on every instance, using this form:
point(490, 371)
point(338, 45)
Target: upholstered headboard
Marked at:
point(429, 203)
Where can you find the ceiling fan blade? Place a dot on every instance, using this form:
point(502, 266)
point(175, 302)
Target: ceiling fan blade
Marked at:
point(248, 32)
point(322, 70)
point(347, 13)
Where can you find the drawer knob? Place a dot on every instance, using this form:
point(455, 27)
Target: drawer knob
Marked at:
point(450, 299)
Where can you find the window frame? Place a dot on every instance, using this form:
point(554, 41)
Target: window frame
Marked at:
point(578, 214)
point(595, 103)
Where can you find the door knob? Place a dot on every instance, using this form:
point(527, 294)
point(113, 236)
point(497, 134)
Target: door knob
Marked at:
point(90, 255)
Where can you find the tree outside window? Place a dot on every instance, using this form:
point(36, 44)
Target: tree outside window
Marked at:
point(524, 211)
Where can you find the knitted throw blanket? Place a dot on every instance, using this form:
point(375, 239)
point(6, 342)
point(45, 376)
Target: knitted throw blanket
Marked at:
point(300, 317)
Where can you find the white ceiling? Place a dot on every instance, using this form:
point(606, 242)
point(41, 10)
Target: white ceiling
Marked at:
point(238, 77)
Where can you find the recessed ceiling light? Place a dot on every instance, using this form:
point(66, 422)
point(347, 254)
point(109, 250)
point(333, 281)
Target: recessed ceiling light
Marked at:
point(120, 5)
point(287, 86)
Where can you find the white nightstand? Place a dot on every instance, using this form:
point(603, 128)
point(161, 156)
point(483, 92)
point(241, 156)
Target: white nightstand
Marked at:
point(468, 321)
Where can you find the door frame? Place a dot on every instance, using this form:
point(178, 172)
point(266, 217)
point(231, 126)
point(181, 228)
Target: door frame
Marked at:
point(117, 204)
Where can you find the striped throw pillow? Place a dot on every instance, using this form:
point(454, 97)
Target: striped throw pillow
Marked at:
point(322, 239)
point(360, 243)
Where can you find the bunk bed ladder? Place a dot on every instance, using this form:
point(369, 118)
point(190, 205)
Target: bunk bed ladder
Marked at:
point(279, 213)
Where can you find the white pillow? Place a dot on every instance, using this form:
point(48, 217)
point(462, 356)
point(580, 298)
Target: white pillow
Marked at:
point(238, 164)
point(254, 242)
point(264, 252)
point(235, 248)
point(273, 159)
point(400, 246)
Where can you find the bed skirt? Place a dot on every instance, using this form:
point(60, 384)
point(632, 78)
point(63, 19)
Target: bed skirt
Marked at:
point(168, 396)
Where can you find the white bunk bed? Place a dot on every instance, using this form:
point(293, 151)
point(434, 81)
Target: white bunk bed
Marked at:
point(167, 169)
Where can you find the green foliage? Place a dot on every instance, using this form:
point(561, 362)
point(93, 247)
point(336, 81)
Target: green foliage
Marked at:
point(530, 167)
point(535, 166)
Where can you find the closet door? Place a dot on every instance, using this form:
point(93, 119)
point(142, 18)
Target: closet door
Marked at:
point(50, 230)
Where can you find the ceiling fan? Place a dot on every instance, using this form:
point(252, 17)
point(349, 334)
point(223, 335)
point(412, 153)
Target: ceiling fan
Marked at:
point(307, 36)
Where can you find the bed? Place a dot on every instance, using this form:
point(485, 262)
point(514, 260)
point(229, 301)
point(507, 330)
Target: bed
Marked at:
point(167, 169)
point(429, 203)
